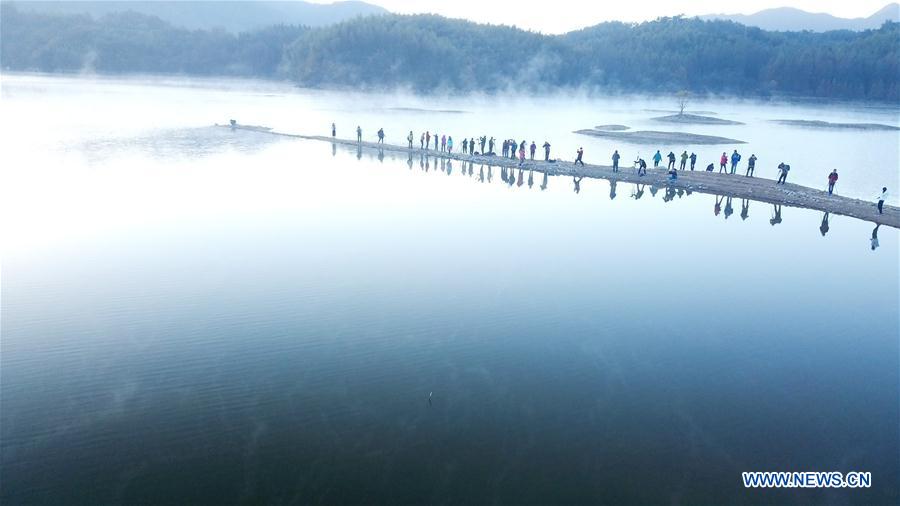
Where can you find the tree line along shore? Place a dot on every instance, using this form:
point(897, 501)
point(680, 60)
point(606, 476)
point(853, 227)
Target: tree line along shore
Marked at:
point(432, 54)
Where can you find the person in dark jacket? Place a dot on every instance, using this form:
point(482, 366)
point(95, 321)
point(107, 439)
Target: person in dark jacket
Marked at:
point(615, 159)
point(578, 159)
point(751, 165)
point(783, 172)
point(693, 160)
point(671, 157)
point(546, 151)
point(533, 148)
point(832, 178)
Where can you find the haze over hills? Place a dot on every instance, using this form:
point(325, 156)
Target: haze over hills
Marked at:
point(234, 16)
point(789, 19)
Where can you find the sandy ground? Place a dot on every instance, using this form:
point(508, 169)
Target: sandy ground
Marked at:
point(737, 186)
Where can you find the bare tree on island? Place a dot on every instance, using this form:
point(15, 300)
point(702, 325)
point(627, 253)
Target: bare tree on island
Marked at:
point(683, 97)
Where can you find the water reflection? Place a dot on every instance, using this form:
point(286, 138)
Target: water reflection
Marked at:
point(723, 204)
point(333, 149)
point(637, 192)
point(669, 195)
point(823, 227)
point(776, 217)
point(874, 239)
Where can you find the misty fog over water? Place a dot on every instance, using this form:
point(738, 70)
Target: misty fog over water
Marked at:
point(195, 314)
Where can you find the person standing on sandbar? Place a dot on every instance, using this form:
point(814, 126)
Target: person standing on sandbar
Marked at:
point(578, 159)
point(881, 198)
point(832, 179)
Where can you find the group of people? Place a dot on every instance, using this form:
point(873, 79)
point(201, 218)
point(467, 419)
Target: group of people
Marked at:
point(517, 150)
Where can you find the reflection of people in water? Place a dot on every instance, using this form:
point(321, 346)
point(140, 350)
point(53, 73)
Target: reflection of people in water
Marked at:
point(443, 164)
point(745, 208)
point(728, 209)
point(776, 219)
point(653, 190)
point(481, 174)
point(612, 190)
point(333, 149)
point(638, 191)
point(359, 151)
point(521, 180)
point(490, 174)
point(824, 226)
point(577, 181)
point(503, 174)
point(381, 155)
point(530, 178)
point(449, 167)
point(409, 162)
point(874, 239)
point(718, 207)
point(670, 194)
point(544, 182)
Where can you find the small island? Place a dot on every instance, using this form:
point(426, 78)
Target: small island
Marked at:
point(429, 111)
point(695, 119)
point(827, 124)
point(654, 137)
point(612, 128)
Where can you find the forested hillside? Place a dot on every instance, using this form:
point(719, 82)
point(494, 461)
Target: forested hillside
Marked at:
point(434, 54)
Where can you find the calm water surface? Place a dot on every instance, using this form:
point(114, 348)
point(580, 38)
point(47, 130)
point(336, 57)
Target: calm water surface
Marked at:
point(191, 314)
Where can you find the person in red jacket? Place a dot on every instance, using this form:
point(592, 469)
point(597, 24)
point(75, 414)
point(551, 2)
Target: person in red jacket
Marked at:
point(723, 163)
point(832, 178)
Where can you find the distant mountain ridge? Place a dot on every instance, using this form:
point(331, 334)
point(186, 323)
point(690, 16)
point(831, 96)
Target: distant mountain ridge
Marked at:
point(789, 19)
point(233, 16)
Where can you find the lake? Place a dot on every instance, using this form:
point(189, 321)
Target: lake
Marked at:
point(192, 314)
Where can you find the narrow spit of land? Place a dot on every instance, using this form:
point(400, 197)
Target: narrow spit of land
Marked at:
point(737, 186)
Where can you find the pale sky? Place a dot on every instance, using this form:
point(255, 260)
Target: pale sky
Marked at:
point(558, 16)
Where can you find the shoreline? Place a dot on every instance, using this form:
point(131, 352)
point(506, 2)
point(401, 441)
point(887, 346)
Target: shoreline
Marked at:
point(736, 186)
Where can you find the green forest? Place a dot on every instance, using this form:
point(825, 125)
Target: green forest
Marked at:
point(432, 54)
